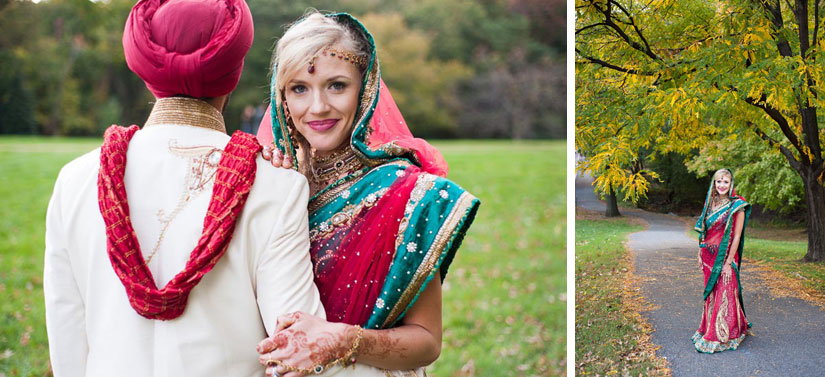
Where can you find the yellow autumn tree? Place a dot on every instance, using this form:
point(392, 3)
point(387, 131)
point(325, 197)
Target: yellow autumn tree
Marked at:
point(423, 88)
point(675, 76)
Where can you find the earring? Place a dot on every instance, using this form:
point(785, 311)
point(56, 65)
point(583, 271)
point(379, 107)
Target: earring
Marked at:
point(286, 109)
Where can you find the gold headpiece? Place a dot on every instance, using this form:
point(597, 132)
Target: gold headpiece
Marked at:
point(359, 60)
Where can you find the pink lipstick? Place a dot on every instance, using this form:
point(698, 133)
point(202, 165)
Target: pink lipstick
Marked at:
point(322, 125)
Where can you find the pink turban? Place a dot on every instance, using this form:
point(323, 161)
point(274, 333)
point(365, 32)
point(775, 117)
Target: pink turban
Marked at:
point(190, 47)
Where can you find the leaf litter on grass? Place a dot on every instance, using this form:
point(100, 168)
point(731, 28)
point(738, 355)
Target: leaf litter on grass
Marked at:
point(632, 351)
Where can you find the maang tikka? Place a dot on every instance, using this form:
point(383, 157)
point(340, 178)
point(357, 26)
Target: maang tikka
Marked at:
point(358, 60)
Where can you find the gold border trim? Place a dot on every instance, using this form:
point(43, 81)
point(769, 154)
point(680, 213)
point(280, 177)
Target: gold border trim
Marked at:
point(332, 191)
point(464, 202)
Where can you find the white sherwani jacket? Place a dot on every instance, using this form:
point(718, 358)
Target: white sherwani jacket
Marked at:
point(265, 272)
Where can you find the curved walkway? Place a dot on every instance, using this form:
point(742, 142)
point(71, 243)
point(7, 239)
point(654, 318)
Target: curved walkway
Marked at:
point(788, 334)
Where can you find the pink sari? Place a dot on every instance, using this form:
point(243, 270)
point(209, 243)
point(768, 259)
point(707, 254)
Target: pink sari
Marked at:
point(723, 325)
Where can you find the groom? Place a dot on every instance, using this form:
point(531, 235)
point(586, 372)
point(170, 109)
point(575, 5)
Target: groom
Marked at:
point(162, 257)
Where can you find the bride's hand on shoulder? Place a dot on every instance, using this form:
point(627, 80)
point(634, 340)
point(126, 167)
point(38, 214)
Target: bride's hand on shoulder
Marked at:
point(275, 157)
point(304, 341)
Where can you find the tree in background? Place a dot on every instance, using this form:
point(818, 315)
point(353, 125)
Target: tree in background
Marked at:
point(518, 100)
point(765, 176)
point(690, 73)
point(423, 88)
point(518, 87)
point(65, 61)
point(16, 100)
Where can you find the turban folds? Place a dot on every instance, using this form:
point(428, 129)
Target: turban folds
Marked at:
point(188, 47)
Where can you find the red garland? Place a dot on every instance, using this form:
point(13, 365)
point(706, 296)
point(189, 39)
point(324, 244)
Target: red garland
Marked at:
point(233, 180)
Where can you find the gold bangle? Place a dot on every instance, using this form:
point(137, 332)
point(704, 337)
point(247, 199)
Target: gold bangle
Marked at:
point(318, 369)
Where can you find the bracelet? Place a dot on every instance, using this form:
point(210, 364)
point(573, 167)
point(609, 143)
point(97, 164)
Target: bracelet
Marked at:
point(345, 360)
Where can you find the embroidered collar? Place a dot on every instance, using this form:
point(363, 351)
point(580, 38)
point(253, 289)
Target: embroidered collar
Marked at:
point(187, 112)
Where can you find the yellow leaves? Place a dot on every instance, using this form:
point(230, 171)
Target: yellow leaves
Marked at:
point(661, 3)
point(589, 6)
point(771, 100)
point(756, 35)
point(678, 94)
point(756, 91)
point(748, 55)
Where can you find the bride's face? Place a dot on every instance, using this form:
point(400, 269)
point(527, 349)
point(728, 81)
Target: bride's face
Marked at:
point(722, 184)
point(323, 103)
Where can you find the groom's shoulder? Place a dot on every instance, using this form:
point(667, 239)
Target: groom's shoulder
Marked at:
point(276, 182)
point(81, 167)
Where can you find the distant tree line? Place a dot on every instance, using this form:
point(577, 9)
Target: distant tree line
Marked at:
point(457, 68)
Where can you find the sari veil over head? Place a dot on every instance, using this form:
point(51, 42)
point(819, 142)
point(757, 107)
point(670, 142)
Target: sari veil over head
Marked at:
point(381, 233)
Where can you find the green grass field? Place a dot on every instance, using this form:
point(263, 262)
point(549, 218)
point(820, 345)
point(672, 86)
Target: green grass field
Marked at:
point(504, 299)
point(611, 336)
point(784, 257)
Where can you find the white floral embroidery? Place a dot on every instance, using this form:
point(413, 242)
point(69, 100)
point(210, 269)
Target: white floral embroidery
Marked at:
point(443, 194)
point(411, 247)
point(325, 227)
point(371, 198)
point(345, 194)
point(399, 173)
point(379, 303)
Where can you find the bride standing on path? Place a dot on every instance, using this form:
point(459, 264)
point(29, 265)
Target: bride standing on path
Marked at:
point(721, 228)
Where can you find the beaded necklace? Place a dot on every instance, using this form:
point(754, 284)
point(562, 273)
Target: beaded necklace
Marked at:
point(328, 169)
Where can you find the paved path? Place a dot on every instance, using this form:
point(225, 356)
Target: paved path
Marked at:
point(788, 333)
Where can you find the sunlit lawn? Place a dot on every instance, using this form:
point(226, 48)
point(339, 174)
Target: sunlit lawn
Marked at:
point(504, 298)
point(783, 254)
point(611, 336)
point(505, 303)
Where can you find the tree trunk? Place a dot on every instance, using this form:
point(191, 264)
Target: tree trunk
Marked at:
point(612, 209)
point(815, 202)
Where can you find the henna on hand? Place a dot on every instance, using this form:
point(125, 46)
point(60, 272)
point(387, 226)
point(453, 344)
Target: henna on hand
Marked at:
point(306, 341)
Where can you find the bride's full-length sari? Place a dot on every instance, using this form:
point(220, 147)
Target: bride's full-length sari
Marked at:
point(723, 325)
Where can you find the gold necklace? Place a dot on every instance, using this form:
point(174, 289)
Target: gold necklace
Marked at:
point(718, 203)
point(328, 168)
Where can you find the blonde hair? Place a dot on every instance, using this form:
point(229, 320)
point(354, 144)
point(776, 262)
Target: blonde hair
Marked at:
point(305, 39)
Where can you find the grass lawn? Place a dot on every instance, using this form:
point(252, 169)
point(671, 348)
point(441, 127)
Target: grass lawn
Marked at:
point(28, 179)
point(785, 258)
point(780, 249)
point(504, 298)
point(611, 336)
